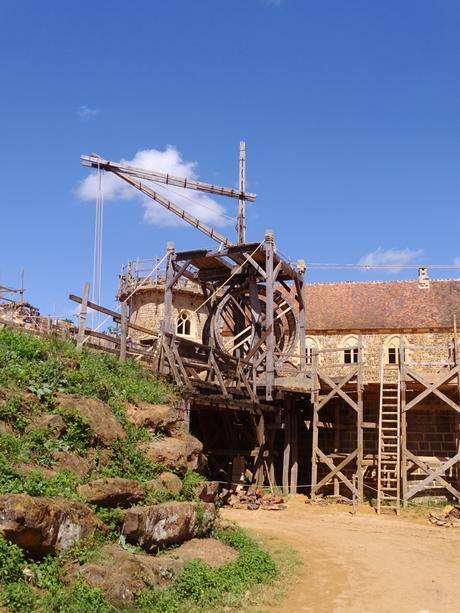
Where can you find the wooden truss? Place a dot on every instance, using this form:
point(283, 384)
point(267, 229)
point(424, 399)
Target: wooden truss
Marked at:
point(409, 461)
point(324, 389)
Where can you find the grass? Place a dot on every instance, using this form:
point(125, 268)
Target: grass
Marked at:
point(32, 371)
point(27, 585)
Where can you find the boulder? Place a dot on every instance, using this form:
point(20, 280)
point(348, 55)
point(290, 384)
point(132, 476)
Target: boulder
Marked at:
point(5, 427)
point(122, 574)
point(182, 453)
point(213, 552)
point(112, 492)
point(207, 492)
point(168, 523)
point(98, 415)
point(48, 421)
point(166, 482)
point(63, 460)
point(155, 417)
point(45, 525)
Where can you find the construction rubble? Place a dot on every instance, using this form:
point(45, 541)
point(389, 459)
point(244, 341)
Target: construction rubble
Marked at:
point(253, 499)
point(449, 517)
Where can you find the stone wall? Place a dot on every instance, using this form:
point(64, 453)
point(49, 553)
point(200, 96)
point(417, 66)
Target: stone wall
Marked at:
point(373, 343)
point(147, 309)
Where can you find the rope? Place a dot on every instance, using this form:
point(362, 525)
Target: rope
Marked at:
point(156, 267)
point(235, 272)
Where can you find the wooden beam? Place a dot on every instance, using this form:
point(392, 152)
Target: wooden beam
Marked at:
point(95, 161)
point(83, 315)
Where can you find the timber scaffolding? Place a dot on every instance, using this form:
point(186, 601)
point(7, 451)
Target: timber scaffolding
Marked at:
point(265, 408)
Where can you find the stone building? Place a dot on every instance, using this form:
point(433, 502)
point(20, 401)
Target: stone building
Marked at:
point(373, 349)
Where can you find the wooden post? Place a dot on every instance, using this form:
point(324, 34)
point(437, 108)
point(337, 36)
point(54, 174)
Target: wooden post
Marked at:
point(123, 331)
point(83, 315)
point(314, 441)
point(241, 222)
point(337, 441)
point(287, 449)
point(403, 443)
point(269, 327)
point(301, 268)
point(359, 420)
point(167, 318)
point(294, 447)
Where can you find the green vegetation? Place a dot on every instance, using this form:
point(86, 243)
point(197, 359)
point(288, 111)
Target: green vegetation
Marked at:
point(32, 371)
point(31, 586)
point(201, 587)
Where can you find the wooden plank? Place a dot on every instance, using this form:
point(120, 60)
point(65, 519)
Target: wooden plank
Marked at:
point(432, 388)
point(83, 315)
point(336, 388)
point(294, 449)
point(123, 331)
point(286, 452)
point(325, 460)
point(337, 469)
point(115, 316)
point(413, 458)
point(269, 316)
point(95, 161)
point(433, 476)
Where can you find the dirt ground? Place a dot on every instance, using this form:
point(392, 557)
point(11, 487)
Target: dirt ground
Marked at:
point(363, 562)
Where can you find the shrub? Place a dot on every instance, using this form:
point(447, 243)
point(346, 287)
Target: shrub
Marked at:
point(12, 561)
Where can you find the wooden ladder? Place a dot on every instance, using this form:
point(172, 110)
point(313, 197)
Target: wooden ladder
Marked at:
point(389, 443)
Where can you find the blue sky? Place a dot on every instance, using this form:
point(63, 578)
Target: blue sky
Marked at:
point(350, 110)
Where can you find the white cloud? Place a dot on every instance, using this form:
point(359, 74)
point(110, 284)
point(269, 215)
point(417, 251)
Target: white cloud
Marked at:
point(456, 261)
point(390, 257)
point(85, 113)
point(169, 161)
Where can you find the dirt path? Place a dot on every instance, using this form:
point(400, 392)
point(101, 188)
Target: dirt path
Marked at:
point(363, 562)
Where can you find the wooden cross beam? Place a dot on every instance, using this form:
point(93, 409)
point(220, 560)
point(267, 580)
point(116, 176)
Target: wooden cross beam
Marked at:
point(432, 388)
point(433, 475)
point(337, 470)
point(426, 469)
point(336, 388)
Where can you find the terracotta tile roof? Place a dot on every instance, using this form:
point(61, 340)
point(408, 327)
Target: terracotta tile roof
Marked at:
point(382, 304)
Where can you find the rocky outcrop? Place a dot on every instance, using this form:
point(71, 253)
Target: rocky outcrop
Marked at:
point(168, 523)
point(207, 492)
point(98, 415)
point(122, 574)
point(112, 492)
point(63, 460)
point(166, 481)
point(155, 417)
point(47, 421)
point(45, 525)
point(213, 552)
point(183, 453)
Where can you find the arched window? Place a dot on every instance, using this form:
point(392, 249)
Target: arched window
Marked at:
point(392, 350)
point(184, 324)
point(350, 351)
point(310, 347)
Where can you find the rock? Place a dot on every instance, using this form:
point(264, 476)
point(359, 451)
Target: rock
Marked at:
point(210, 550)
point(98, 415)
point(182, 453)
point(167, 523)
point(112, 492)
point(5, 427)
point(45, 525)
point(122, 574)
point(48, 421)
point(166, 481)
point(207, 492)
point(65, 460)
point(155, 417)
